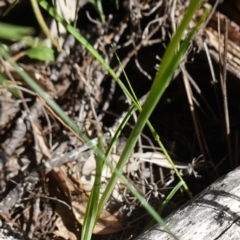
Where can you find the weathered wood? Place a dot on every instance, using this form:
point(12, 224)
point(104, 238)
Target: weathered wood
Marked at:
point(212, 214)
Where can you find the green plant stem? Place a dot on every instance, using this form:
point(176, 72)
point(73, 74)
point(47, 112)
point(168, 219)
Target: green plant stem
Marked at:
point(74, 127)
point(160, 83)
point(89, 47)
point(42, 23)
point(91, 211)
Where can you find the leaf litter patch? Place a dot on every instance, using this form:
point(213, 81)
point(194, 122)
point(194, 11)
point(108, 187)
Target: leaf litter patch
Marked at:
point(46, 178)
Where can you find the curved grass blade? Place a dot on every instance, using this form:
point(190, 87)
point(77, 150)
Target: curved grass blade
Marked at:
point(74, 127)
point(161, 81)
point(164, 204)
point(90, 48)
point(42, 23)
point(119, 130)
point(10, 7)
point(97, 4)
point(13, 32)
point(91, 211)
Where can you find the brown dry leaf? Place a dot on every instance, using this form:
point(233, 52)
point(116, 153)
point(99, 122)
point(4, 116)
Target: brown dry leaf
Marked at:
point(40, 141)
point(63, 181)
point(87, 175)
point(107, 222)
point(63, 231)
point(68, 226)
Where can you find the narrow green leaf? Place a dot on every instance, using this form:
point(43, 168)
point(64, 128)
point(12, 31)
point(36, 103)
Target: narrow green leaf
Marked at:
point(91, 49)
point(91, 211)
point(7, 84)
point(161, 81)
point(41, 53)
point(119, 130)
point(97, 4)
point(165, 202)
point(14, 33)
point(10, 7)
point(43, 24)
point(74, 127)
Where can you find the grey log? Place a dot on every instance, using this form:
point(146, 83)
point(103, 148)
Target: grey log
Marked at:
point(212, 214)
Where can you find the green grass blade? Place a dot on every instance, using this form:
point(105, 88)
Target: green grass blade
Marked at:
point(91, 211)
point(41, 53)
point(14, 33)
point(74, 127)
point(97, 4)
point(127, 79)
point(89, 47)
point(164, 74)
point(165, 202)
point(46, 97)
point(10, 7)
point(123, 159)
point(160, 83)
point(86, 44)
point(169, 197)
point(183, 48)
point(119, 130)
point(117, 4)
point(8, 85)
point(147, 206)
point(42, 23)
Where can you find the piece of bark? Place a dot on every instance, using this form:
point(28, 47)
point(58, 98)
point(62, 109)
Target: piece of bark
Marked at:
point(212, 214)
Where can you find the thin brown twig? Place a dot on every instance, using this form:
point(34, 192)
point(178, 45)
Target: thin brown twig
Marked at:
point(61, 121)
point(224, 92)
point(13, 80)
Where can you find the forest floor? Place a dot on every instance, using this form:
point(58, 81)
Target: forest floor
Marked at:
point(197, 118)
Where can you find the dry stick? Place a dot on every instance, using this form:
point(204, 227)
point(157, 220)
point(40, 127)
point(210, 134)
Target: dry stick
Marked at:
point(200, 129)
point(13, 80)
point(193, 112)
point(211, 13)
point(221, 77)
point(88, 92)
point(172, 15)
point(16, 194)
point(34, 218)
point(29, 182)
point(67, 45)
point(199, 92)
point(214, 83)
point(21, 128)
point(157, 5)
point(224, 92)
point(18, 134)
point(214, 80)
point(146, 38)
point(50, 143)
point(51, 198)
point(236, 141)
point(62, 122)
point(14, 220)
point(138, 65)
